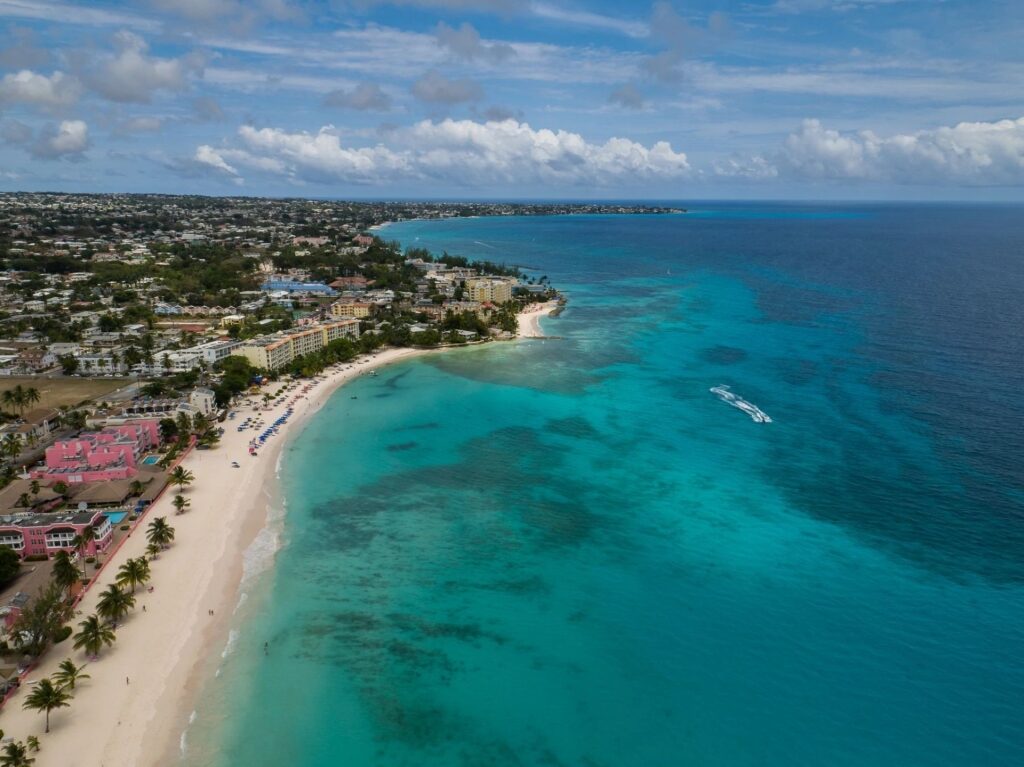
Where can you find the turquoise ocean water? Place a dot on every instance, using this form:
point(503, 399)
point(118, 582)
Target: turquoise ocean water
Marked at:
point(573, 552)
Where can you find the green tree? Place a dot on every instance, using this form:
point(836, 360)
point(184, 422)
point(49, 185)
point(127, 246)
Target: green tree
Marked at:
point(68, 674)
point(180, 503)
point(41, 619)
point(15, 754)
point(68, 364)
point(65, 572)
point(114, 603)
point(10, 565)
point(93, 634)
point(133, 573)
point(11, 445)
point(46, 696)
point(181, 477)
point(159, 532)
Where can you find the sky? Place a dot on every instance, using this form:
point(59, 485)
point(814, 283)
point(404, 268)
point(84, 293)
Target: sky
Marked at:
point(571, 99)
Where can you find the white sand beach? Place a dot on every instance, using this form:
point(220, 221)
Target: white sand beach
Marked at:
point(529, 320)
point(135, 706)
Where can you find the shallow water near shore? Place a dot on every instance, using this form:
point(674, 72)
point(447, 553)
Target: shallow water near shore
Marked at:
point(574, 552)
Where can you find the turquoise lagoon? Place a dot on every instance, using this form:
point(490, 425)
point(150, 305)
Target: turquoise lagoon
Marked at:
point(573, 552)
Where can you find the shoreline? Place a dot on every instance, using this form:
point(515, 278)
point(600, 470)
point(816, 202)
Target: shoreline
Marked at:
point(137, 703)
point(529, 320)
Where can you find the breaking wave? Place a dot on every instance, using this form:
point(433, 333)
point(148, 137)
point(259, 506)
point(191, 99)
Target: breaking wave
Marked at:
point(756, 414)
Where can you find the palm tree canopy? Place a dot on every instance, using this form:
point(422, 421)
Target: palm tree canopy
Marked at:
point(68, 673)
point(46, 696)
point(114, 603)
point(159, 532)
point(15, 755)
point(65, 572)
point(93, 635)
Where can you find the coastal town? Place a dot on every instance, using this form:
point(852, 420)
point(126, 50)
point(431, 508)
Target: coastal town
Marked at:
point(153, 353)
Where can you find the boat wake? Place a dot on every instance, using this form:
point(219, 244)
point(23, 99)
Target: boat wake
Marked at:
point(756, 414)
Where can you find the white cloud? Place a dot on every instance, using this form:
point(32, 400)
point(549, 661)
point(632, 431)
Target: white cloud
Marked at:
point(459, 152)
point(133, 76)
point(61, 13)
point(28, 87)
point(207, 155)
point(68, 140)
point(966, 154)
point(586, 19)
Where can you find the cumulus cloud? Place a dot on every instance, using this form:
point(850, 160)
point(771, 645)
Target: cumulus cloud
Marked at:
point(207, 155)
point(628, 96)
point(435, 88)
point(365, 97)
point(968, 154)
point(67, 140)
point(465, 43)
point(132, 75)
point(15, 132)
point(28, 87)
point(462, 152)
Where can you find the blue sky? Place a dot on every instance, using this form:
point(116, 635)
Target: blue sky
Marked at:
point(889, 99)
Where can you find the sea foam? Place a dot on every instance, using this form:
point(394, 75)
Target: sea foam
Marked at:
point(756, 414)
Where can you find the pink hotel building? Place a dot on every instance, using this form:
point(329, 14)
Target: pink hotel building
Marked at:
point(46, 534)
point(99, 456)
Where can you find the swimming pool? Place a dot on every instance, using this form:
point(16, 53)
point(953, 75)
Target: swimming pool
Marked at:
point(149, 460)
point(116, 517)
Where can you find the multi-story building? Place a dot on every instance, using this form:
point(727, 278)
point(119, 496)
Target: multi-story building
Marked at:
point(99, 456)
point(356, 309)
point(275, 351)
point(488, 289)
point(46, 534)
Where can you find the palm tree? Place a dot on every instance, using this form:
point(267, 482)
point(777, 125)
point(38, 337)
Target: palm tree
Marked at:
point(181, 477)
point(60, 488)
point(31, 396)
point(31, 441)
point(159, 532)
point(24, 501)
point(33, 744)
point(34, 486)
point(184, 423)
point(80, 542)
point(11, 445)
point(133, 573)
point(93, 635)
point(153, 551)
point(114, 603)
point(46, 696)
point(136, 487)
point(16, 755)
point(68, 673)
point(180, 503)
point(65, 572)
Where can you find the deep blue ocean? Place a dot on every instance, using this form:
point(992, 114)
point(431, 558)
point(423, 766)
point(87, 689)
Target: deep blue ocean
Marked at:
point(573, 553)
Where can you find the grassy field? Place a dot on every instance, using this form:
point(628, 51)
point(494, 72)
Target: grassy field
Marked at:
point(54, 392)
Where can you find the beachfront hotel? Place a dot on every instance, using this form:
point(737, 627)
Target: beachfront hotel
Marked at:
point(46, 534)
point(488, 289)
point(275, 351)
point(100, 456)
